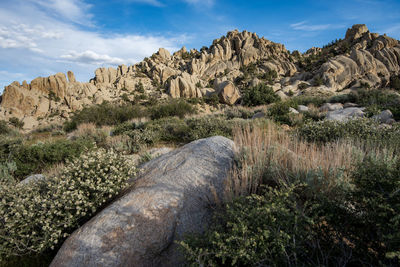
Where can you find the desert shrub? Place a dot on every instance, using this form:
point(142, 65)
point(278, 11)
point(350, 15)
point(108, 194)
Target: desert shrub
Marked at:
point(17, 123)
point(259, 95)
point(178, 108)
point(208, 126)
point(303, 86)
point(31, 159)
point(4, 129)
point(258, 230)
point(269, 76)
point(139, 87)
point(395, 82)
point(212, 100)
point(38, 216)
point(366, 130)
point(318, 81)
point(238, 112)
point(380, 98)
point(7, 170)
point(105, 114)
point(175, 130)
point(168, 129)
point(279, 112)
point(319, 206)
point(377, 201)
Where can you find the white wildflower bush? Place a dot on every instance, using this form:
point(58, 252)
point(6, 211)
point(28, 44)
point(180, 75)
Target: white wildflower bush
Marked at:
point(38, 216)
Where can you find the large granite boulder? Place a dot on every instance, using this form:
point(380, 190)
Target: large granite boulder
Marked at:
point(345, 114)
point(170, 199)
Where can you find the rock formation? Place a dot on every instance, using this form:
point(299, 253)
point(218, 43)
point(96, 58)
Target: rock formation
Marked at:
point(237, 61)
point(170, 199)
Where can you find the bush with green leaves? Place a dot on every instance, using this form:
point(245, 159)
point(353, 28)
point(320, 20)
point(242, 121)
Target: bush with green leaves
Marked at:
point(238, 112)
point(376, 199)
point(364, 129)
point(379, 99)
point(38, 216)
point(176, 130)
point(270, 229)
point(395, 82)
point(279, 112)
point(17, 123)
point(297, 224)
point(105, 114)
point(4, 129)
point(34, 158)
point(179, 108)
point(259, 95)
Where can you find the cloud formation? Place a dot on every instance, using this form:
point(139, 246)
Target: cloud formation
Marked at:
point(39, 40)
point(304, 26)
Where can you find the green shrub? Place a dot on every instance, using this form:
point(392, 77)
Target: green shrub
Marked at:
point(259, 230)
point(238, 112)
point(175, 130)
point(208, 126)
point(376, 199)
point(395, 83)
point(212, 100)
point(4, 129)
point(7, 170)
point(17, 123)
point(38, 216)
point(303, 86)
point(279, 112)
point(31, 159)
point(139, 87)
point(366, 130)
point(307, 221)
point(178, 108)
point(380, 98)
point(318, 81)
point(259, 95)
point(105, 114)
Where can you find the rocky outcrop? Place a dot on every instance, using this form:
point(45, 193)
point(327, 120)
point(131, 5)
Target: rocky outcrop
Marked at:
point(227, 92)
point(172, 198)
point(239, 60)
point(371, 61)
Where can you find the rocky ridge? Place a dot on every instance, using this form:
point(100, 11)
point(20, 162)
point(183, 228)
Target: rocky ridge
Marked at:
point(231, 64)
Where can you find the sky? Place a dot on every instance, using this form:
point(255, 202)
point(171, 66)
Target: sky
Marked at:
point(43, 37)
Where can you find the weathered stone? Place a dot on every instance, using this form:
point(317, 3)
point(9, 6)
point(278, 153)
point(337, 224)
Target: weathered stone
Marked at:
point(33, 179)
point(345, 114)
point(302, 108)
point(384, 116)
point(331, 107)
point(169, 200)
point(228, 93)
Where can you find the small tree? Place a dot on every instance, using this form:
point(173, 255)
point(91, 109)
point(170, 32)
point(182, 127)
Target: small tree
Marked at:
point(259, 95)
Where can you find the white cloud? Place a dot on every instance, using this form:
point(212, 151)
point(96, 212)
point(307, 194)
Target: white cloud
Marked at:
point(90, 57)
point(76, 11)
point(34, 43)
point(303, 26)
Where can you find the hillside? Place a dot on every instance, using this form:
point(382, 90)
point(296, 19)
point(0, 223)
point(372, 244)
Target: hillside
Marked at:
point(241, 154)
point(230, 65)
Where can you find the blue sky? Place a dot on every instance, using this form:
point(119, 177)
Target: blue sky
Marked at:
point(43, 37)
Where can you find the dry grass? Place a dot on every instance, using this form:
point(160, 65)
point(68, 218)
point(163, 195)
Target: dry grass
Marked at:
point(90, 129)
point(266, 150)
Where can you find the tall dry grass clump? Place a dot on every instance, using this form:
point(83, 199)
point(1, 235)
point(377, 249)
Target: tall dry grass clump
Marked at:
point(269, 155)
